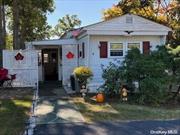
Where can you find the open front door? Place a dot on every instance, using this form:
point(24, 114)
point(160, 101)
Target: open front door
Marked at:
point(50, 64)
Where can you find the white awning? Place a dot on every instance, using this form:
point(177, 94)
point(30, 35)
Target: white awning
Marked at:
point(53, 42)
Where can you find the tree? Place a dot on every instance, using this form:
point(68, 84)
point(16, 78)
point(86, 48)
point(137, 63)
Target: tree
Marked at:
point(33, 24)
point(28, 20)
point(2, 29)
point(16, 44)
point(161, 11)
point(65, 24)
point(112, 12)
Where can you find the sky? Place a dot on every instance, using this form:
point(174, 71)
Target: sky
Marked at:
point(88, 11)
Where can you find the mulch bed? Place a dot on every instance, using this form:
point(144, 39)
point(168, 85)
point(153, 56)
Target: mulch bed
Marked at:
point(13, 93)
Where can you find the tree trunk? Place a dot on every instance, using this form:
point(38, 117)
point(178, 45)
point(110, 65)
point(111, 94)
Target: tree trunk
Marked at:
point(16, 44)
point(1, 33)
point(4, 24)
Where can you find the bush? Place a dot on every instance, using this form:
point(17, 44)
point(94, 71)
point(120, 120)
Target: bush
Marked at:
point(152, 91)
point(82, 74)
point(112, 77)
point(149, 72)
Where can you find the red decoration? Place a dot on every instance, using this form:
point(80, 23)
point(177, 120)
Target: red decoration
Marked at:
point(19, 56)
point(70, 55)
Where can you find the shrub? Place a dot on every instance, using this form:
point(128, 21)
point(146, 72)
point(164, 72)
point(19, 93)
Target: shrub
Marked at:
point(149, 72)
point(112, 77)
point(152, 91)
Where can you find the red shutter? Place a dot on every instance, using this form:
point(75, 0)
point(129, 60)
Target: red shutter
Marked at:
point(146, 47)
point(103, 49)
point(83, 50)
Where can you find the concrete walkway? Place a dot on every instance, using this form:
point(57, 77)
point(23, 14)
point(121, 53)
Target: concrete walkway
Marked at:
point(171, 127)
point(54, 106)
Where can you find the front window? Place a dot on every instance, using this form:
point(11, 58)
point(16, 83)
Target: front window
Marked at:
point(133, 45)
point(116, 49)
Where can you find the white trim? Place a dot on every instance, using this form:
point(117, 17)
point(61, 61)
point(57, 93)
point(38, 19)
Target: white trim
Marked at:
point(136, 42)
point(53, 42)
point(109, 56)
point(121, 32)
point(91, 26)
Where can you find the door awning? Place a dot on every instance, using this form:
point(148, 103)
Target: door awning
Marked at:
point(54, 42)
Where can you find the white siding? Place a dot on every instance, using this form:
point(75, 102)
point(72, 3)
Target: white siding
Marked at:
point(83, 61)
point(68, 65)
point(139, 26)
point(95, 60)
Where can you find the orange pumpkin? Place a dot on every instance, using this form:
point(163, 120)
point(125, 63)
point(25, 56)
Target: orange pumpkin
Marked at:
point(100, 97)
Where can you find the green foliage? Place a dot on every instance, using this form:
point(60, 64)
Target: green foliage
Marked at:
point(152, 72)
point(111, 75)
point(153, 91)
point(32, 19)
point(175, 67)
point(164, 12)
point(9, 42)
point(149, 72)
point(65, 24)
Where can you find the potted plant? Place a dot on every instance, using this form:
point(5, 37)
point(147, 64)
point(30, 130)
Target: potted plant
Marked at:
point(82, 75)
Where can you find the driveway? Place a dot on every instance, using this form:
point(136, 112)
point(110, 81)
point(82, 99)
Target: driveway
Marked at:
point(171, 127)
point(56, 115)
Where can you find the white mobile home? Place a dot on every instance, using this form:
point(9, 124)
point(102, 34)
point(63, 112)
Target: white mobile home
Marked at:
point(96, 44)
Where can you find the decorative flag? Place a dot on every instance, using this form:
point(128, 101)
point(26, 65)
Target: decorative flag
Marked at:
point(70, 55)
point(19, 56)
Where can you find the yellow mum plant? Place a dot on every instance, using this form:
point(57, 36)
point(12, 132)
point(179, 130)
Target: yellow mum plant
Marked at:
point(82, 74)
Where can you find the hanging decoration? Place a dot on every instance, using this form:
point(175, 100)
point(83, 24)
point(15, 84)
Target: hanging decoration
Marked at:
point(19, 56)
point(70, 55)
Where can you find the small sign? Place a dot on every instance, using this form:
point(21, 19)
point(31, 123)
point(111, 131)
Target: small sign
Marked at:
point(19, 56)
point(70, 55)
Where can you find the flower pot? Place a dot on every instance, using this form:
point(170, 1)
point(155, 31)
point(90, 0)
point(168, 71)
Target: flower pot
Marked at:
point(100, 97)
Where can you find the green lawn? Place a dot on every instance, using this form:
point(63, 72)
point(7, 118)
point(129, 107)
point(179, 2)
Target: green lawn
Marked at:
point(119, 111)
point(13, 114)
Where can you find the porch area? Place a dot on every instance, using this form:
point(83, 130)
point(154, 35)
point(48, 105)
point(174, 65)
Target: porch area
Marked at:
point(56, 59)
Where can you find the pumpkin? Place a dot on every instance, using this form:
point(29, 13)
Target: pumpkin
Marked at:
point(100, 97)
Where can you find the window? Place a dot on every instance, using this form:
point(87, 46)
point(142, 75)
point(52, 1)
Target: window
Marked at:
point(116, 49)
point(133, 45)
point(46, 58)
point(129, 19)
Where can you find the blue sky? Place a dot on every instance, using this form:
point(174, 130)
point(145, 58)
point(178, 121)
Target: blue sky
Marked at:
point(88, 11)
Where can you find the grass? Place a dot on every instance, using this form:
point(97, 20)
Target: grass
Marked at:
point(117, 111)
point(13, 114)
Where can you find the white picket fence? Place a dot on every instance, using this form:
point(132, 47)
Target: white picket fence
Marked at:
point(26, 70)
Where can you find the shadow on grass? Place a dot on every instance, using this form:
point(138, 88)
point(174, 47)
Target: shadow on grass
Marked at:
point(123, 111)
point(12, 117)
